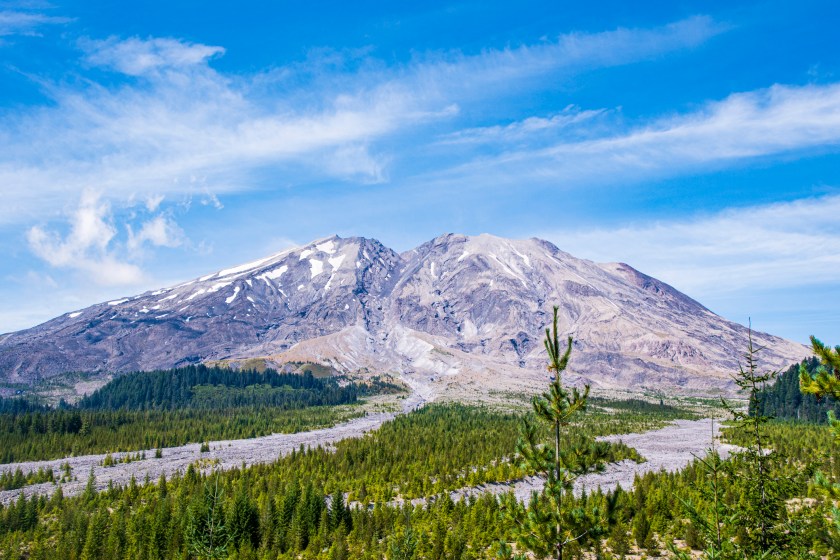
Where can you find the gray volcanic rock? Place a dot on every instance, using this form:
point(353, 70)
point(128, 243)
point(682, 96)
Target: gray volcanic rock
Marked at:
point(270, 304)
point(467, 312)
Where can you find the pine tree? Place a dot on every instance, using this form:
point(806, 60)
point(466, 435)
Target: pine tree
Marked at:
point(206, 533)
point(96, 536)
point(243, 521)
point(761, 512)
point(552, 522)
point(826, 381)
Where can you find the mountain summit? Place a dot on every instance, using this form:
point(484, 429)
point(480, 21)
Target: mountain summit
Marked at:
point(457, 310)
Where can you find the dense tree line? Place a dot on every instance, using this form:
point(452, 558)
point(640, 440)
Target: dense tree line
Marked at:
point(440, 447)
point(20, 405)
point(166, 408)
point(217, 388)
point(783, 399)
point(62, 433)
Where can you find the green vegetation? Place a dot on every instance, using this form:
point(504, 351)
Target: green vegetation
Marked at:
point(280, 510)
point(17, 405)
point(552, 521)
point(62, 433)
point(167, 408)
point(205, 387)
point(784, 401)
point(774, 499)
point(605, 417)
point(437, 448)
point(15, 480)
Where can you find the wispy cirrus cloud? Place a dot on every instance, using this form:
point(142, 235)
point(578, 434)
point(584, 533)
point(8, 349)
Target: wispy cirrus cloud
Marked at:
point(139, 57)
point(784, 245)
point(18, 22)
point(175, 117)
point(170, 125)
point(526, 130)
point(570, 53)
point(737, 129)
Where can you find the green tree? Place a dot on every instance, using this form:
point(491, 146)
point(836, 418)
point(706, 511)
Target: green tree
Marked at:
point(553, 521)
point(741, 512)
point(825, 382)
point(762, 507)
point(244, 520)
point(206, 533)
point(96, 535)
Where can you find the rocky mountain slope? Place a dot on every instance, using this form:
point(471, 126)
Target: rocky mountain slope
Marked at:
point(464, 312)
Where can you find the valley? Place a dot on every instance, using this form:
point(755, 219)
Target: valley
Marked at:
point(669, 448)
point(300, 407)
point(224, 455)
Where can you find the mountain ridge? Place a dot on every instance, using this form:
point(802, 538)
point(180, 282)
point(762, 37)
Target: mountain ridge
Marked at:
point(467, 312)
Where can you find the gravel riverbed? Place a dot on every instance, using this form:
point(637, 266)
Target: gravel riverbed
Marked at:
point(226, 454)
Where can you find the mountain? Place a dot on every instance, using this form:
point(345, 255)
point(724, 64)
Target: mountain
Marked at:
point(466, 313)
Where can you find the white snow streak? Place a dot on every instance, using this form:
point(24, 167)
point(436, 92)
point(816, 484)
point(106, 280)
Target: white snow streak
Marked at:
point(218, 286)
point(273, 274)
point(335, 262)
point(233, 297)
point(244, 267)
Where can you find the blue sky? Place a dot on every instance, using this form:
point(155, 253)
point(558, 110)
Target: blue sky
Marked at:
point(141, 145)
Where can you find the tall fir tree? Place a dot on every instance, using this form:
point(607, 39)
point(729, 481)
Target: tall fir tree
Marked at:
point(206, 533)
point(552, 522)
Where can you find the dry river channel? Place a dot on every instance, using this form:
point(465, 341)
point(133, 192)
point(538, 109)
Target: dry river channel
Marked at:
point(670, 448)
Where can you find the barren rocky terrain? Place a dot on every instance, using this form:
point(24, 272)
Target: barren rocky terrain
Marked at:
point(669, 449)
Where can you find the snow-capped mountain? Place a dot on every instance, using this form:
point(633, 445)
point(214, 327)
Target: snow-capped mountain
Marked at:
point(469, 312)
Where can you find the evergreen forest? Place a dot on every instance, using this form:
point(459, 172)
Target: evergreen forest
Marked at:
point(387, 494)
point(147, 410)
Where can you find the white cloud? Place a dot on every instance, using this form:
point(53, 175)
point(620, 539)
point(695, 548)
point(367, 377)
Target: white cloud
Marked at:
point(357, 161)
point(160, 231)
point(14, 22)
point(743, 126)
point(526, 129)
point(571, 52)
point(87, 246)
point(139, 57)
point(784, 245)
point(148, 137)
point(153, 202)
